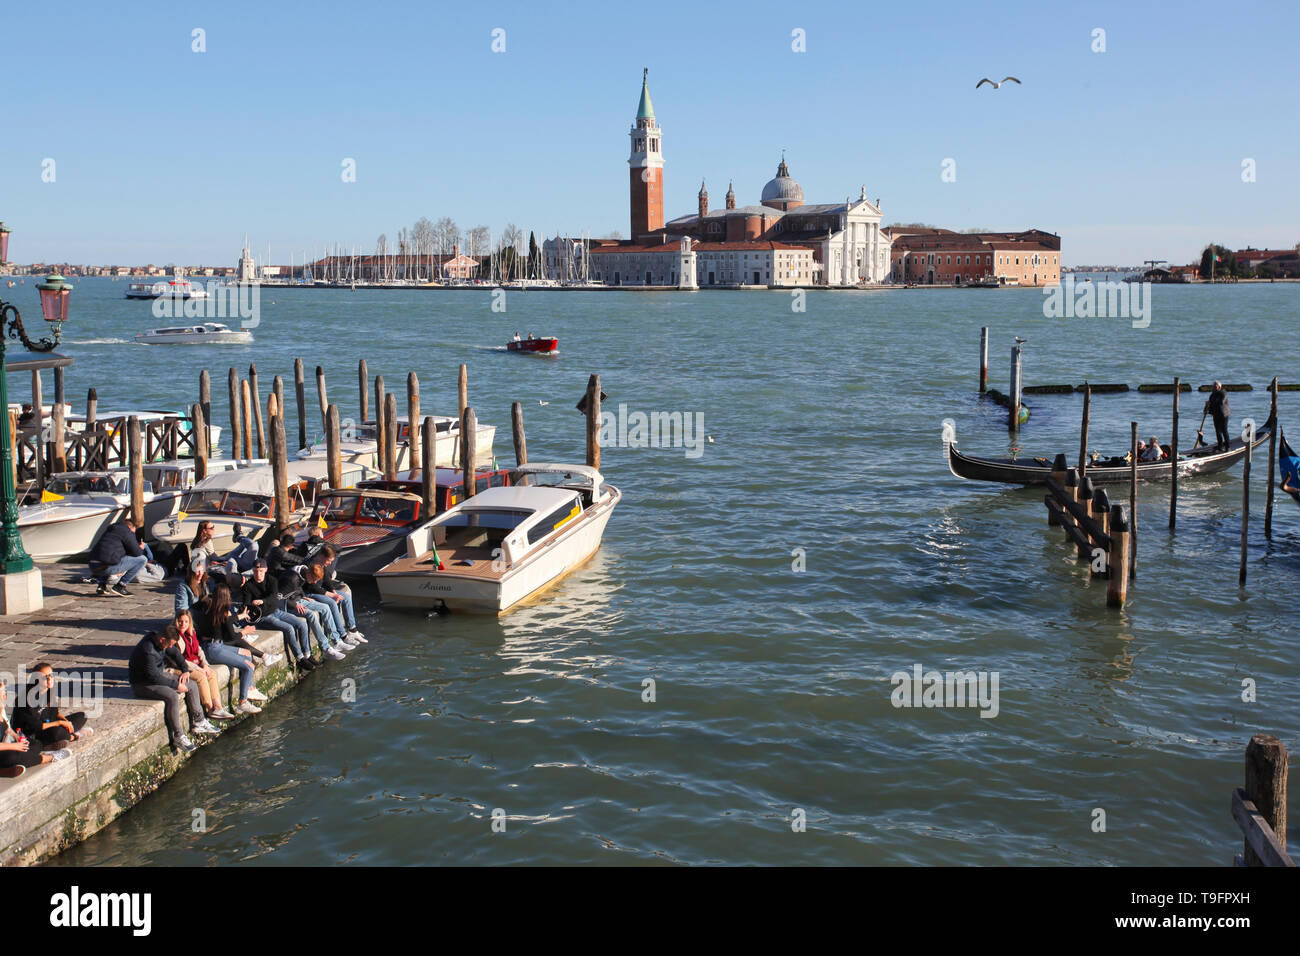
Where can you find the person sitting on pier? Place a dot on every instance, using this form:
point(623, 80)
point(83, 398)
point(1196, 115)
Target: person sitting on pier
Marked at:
point(193, 588)
point(1216, 406)
point(322, 588)
point(240, 559)
point(152, 669)
point(261, 592)
point(200, 671)
point(17, 752)
point(116, 558)
point(316, 613)
point(40, 719)
point(224, 643)
point(1151, 451)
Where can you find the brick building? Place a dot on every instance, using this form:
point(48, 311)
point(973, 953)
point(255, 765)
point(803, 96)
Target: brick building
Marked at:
point(930, 256)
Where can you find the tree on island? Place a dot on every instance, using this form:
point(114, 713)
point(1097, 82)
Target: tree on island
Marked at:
point(533, 258)
point(1219, 262)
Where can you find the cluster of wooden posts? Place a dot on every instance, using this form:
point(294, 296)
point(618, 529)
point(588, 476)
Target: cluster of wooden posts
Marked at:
point(1260, 806)
point(248, 430)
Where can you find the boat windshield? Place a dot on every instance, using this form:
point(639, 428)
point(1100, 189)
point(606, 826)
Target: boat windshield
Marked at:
point(338, 507)
point(388, 510)
point(221, 502)
point(82, 485)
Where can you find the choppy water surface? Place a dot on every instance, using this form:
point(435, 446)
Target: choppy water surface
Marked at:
point(772, 686)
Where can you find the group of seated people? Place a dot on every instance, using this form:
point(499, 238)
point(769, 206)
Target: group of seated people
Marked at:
point(222, 600)
point(1151, 450)
point(39, 732)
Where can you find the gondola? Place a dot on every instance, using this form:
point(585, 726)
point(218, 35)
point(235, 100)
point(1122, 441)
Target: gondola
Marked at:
point(1034, 471)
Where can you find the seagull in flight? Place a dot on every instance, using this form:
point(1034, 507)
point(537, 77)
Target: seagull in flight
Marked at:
point(997, 86)
point(542, 403)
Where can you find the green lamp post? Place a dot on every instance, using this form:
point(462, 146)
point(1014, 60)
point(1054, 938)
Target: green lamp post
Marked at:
point(55, 295)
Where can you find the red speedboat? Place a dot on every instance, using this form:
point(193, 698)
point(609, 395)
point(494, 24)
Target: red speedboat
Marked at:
point(543, 346)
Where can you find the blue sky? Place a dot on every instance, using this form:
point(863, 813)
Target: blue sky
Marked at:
point(166, 155)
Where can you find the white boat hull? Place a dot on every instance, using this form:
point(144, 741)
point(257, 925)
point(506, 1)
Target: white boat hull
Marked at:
point(197, 338)
point(497, 595)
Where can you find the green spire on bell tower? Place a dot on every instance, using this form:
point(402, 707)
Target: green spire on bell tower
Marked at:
point(645, 110)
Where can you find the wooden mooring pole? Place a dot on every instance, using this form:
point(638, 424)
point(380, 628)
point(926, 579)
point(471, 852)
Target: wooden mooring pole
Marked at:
point(412, 420)
point(300, 389)
point(984, 359)
point(58, 443)
point(235, 440)
point(363, 382)
point(135, 445)
point(381, 424)
point(257, 411)
point(1083, 429)
point(593, 421)
point(428, 470)
point(277, 389)
point(1118, 560)
point(200, 432)
point(92, 408)
point(1014, 423)
point(320, 393)
point(205, 403)
point(462, 402)
point(1133, 501)
point(1245, 510)
point(246, 405)
point(333, 447)
point(1272, 460)
point(280, 468)
point(1173, 459)
point(390, 437)
point(517, 429)
point(468, 448)
point(1266, 780)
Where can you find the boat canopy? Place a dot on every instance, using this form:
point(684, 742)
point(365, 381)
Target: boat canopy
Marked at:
point(259, 479)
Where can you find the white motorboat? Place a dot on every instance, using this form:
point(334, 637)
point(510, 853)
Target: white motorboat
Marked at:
point(246, 497)
point(75, 509)
point(178, 288)
point(360, 444)
point(503, 545)
point(209, 333)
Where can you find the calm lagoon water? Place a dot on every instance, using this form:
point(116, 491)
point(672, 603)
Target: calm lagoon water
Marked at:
point(772, 686)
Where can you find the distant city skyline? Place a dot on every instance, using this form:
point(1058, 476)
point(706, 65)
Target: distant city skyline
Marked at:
point(161, 154)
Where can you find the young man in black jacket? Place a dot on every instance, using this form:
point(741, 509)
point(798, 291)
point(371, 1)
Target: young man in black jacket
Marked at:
point(261, 592)
point(152, 679)
point(118, 550)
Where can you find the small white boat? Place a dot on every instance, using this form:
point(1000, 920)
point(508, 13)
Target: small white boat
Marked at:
point(178, 288)
point(503, 545)
point(75, 509)
point(209, 333)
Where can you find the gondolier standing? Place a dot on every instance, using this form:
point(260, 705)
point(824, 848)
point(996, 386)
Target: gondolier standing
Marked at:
point(1217, 406)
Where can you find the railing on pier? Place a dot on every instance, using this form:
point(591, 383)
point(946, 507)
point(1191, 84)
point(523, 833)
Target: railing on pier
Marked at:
point(101, 446)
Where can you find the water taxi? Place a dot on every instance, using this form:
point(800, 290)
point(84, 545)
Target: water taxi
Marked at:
point(209, 333)
point(505, 544)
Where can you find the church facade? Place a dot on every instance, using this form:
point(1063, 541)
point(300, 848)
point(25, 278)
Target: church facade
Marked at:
point(779, 241)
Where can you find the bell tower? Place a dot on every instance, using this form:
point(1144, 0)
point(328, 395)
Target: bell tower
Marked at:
point(646, 167)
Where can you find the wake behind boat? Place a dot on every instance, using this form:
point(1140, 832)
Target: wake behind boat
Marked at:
point(1035, 471)
point(209, 333)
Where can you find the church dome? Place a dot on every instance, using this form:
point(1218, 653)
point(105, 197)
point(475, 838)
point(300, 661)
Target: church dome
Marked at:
point(782, 190)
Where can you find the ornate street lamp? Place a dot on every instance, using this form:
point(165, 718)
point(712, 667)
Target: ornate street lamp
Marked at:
point(55, 294)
